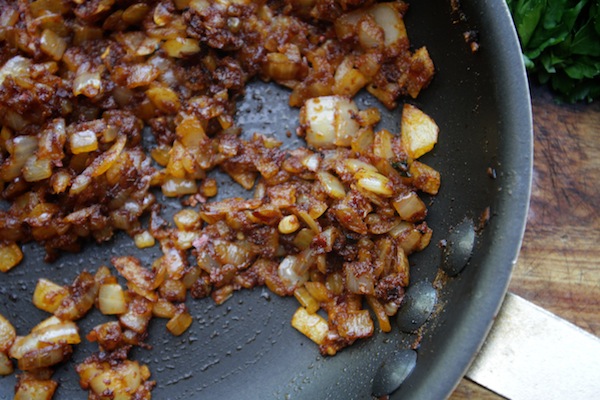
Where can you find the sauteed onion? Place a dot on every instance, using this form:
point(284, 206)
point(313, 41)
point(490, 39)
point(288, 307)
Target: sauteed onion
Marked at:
point(86, 85)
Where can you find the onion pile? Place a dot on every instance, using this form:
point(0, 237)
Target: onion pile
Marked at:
point(331, 224)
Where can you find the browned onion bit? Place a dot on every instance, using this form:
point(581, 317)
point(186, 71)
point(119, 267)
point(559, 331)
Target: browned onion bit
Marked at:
point(331, 224)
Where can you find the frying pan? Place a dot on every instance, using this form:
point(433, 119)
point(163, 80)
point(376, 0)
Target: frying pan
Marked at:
point(246, 347)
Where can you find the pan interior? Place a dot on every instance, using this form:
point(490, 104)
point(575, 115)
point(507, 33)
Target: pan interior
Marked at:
point(480, 101)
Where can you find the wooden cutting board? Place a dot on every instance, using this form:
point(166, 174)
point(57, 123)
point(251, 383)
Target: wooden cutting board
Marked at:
point(559, 263)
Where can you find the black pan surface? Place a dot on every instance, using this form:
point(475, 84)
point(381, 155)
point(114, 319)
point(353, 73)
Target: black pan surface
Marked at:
point(246, 347)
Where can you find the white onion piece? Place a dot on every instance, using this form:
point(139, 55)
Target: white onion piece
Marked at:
point(7, 334)
point(287, 273)
point(57, 333)
point(390, 20)
point(16, 66)
point(329, 121)
point(357, 324)
point(88, 84)
point(332, 185)
point(6, 366)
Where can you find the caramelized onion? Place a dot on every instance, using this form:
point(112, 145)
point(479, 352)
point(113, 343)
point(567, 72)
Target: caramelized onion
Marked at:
point(108, 102)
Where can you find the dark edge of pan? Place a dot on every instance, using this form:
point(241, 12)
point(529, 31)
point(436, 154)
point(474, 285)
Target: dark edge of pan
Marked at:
point(474, 297)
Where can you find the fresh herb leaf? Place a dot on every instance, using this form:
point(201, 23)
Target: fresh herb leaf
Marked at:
point(560, 40)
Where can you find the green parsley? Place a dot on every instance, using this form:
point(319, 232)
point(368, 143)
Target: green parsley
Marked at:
point(561, 44)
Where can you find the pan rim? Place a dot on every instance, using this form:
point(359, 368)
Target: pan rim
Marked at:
point(471, 329)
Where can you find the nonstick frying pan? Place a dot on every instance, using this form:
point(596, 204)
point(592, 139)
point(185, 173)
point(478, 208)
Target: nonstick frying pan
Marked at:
point(246, 347)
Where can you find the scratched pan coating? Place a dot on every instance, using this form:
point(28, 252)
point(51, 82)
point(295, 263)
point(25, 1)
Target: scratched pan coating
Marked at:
point(246, 347)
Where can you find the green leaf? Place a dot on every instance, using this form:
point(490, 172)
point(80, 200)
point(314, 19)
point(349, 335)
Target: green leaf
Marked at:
point(561, 44)
point(586, 40)
point(527, 14)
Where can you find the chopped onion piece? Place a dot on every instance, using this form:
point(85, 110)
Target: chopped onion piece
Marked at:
point(176, 187)
point(348, 80)
point(186, 219)
point(332, 185)
point(424, 177)
point(88, 84)
point(410, 207)
point(306, 300)
point(329, 121)
point(165, 99)
point(179, 323)
point(355, 324)
point(61, 332)
point(45, 356)
point(312, 326)
point(374, 182)
point(52, 44)
point(6, 365)
point(10, 256)
point(29, 387)
point(111, 299)
point(181, 47)
point(16, 66)
point(48, 295)
point(354, 165)
point(131, 269)
point(419, 132)
point(7, 334)
point(163, 309)
point(144, 240)
point(81, 298)
point(390, 20)
point(379, 310)
point(287, 273)
point(83, 142)
point(36, 169)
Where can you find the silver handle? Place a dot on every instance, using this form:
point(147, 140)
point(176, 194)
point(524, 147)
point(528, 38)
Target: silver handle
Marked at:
point(533, 354)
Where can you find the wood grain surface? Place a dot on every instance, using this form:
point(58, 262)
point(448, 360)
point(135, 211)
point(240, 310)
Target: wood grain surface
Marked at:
point(559, 263)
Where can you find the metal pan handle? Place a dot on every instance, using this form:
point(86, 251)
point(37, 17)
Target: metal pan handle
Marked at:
point(533, 354)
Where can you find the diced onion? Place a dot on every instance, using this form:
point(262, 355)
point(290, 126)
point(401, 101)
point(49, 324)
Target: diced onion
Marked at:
point(176, 187)
point(7, 334)
point(306, 300)
point(144, 240)
point(163, 309)
point(36, 169)
point(10, 256)
point(424, 177)
point(48, 295)
point(179, 323)
point(312, 326)
point(88, 84)
point(16, 66)
point(288, 275)
point(132, 270)
point(181, 47)
point(61, 332)
point(410, 207)
point(111, 299)
point(356, 324)
point(419, 132)
point(44, 357)
point(83, 142)
point(332, 185)
point(329, 121)
point(6, 365)
point(374, 182)
point(164, 99)
point(52, 44)
point(30, 387)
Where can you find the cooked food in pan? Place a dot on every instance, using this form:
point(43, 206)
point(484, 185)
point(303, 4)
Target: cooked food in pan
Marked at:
point(105, 104)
